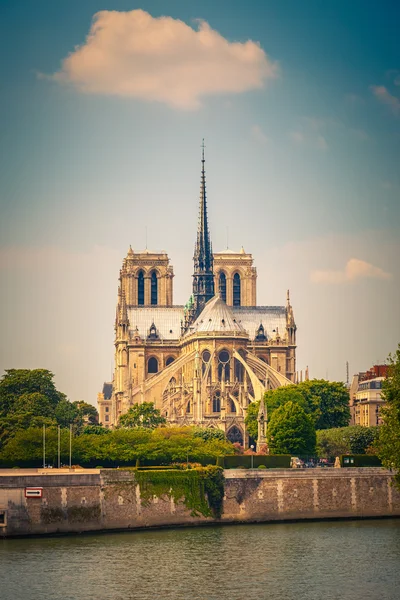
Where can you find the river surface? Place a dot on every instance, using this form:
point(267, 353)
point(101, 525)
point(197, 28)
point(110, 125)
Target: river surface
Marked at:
point(341, 560)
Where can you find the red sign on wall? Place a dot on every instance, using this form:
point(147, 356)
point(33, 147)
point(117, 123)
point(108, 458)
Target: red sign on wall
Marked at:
point(33, 492)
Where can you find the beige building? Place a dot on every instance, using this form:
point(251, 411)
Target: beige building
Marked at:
point(366, 399)
point(205, 362)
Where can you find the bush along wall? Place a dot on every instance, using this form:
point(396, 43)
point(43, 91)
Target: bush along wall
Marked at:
point(244, 461)
point(201, 489)
point(360, 460)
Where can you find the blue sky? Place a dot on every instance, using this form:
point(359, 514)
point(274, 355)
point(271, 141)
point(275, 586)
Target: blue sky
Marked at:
point(302, 150)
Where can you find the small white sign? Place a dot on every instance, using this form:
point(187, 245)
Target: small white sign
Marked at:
point(33, 492)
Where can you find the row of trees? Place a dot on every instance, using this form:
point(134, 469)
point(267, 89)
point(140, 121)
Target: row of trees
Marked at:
point(112, 448)
point(29, 398)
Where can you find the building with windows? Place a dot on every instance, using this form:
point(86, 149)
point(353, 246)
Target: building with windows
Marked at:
point(366, 399)
point(205, 362)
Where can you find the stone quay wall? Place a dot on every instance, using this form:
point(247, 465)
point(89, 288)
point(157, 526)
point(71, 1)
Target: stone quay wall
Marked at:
point(98, 500)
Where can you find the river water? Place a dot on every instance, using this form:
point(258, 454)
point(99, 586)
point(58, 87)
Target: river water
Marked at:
point(341, 560)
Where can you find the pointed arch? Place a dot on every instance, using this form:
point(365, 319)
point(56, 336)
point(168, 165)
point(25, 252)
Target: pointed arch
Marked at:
point(236, 290)
point(222, 285)
point(235, 435)
point(140, 288)
point(153, 288)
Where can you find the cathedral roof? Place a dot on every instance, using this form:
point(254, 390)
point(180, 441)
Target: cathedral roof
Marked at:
point(272, 318)
point(216, 316)
point(166, 319)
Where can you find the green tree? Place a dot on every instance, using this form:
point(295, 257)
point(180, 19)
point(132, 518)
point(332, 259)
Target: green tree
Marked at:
point(326, 401)
point(66, 412)
point(142, 415)
point(388, 444)
point(17, 383)
point(354, 439)
point(291, 431)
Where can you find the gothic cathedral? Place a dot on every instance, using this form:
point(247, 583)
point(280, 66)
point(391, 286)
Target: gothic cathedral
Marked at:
point(203, 363)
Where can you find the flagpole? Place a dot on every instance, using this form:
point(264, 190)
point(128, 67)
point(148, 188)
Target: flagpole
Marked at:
point(44, 446)
point(59, 444)
point(70, 445)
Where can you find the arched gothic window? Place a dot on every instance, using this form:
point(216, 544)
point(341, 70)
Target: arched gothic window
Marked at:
point(223, 365)
point(169, 360)
point(154, 288)
point(140, 284)
point(236, 289)
point(222, 286)
point(152, 365)
point(232, 406)
point(217, 402)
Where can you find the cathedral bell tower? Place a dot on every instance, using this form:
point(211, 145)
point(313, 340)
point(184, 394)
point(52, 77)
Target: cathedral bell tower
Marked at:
point(203, 276)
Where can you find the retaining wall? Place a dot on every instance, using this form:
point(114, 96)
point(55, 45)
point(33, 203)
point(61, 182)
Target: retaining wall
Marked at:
point(110, 499)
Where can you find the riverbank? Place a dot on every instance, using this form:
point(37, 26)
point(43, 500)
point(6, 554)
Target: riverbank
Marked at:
point(37, 501)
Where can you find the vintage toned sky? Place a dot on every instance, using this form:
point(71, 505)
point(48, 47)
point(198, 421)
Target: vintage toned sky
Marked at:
point(103, 108)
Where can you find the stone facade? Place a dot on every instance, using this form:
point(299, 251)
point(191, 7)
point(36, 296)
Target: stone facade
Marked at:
point(366, 401)
point(202, 363)
point(110, 499)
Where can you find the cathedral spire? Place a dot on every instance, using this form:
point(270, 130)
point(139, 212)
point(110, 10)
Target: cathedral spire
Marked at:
point(203, 277)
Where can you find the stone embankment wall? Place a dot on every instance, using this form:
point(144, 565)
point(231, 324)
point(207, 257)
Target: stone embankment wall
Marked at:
point(110, 499)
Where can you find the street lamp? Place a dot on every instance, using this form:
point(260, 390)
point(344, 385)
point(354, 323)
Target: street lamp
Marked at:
point(252, 449)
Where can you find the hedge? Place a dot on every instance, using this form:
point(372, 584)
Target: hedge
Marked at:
point(360, 460)
point(244, 461)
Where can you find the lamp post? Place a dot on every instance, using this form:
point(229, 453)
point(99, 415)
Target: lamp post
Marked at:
point(59, 447)
point(252, 449)
point(70, 445)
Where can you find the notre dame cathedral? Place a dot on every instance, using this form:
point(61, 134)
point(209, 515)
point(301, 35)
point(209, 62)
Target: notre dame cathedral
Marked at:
point(205, 362)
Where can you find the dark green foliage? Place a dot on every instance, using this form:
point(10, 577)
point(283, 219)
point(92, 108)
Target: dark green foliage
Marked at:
point(95, 430)
point(345, 440)
point(17, 383)
point(291, 431)
point(209, 433)
point(201, 489)
point(326, 401)
point(359, 460)
point(163, 446)
point(388, 445)
point(142, 415)
point(245, 461)
point(29, 399)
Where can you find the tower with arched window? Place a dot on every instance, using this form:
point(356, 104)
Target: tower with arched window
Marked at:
point(205, 362)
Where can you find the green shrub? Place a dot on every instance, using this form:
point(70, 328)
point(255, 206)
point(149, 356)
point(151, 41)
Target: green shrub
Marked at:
point(261, 467)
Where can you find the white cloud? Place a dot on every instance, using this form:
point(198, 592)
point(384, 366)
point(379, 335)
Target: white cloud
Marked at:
point(131, 54)
point(354, 269)
point(258, 134)
point(384, 96)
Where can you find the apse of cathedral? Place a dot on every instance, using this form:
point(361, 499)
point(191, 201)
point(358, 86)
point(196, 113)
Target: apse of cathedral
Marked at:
point(203, 363)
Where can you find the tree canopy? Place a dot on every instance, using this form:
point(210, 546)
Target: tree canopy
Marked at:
point(111, 448)
point(29, 398)
point(291, 431)
point(345, 440)
point(142, 415)
point(326, 401)
point(388, 445)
